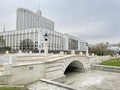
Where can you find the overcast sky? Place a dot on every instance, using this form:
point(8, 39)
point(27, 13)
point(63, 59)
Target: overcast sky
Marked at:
point(92, 20)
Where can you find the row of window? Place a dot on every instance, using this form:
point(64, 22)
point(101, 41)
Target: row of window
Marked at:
point(25, 20)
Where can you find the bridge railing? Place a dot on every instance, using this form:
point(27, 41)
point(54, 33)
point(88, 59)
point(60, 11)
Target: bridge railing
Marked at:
point(5, 69)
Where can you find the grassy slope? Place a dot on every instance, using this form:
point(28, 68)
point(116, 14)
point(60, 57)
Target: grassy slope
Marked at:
point(112, 62)
point(12, 88)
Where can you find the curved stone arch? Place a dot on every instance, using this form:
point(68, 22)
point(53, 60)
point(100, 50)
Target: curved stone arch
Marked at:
point(56, 69)
point(75, 63)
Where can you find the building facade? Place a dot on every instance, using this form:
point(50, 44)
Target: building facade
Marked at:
point(14, 38)
point(74, 43)
point(31, 27)
point(28, 19)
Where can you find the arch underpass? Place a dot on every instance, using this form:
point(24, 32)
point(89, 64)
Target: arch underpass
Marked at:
point(59, 69)
point(74, 66)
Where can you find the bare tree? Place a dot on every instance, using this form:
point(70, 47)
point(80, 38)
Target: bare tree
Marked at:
point(100, 49)
point(26, 45)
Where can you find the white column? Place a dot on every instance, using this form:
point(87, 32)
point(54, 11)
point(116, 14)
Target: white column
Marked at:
point(39, 46)
point(46, 48)
point(30, 52)
point(39, 50)
point(61, 53)
point(15, 40)
point(34, 34)
point(12, 59)
point(7, 69)
point(80, 53)
point(72, 52)
point(20, 51)
point(87, 54)
point(93, 54)
point(9, 40)
point(22, 39)
point(7, 52)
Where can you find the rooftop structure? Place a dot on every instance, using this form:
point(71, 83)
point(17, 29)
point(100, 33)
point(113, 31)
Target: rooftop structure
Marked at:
point(28, 19)
point(32, 27)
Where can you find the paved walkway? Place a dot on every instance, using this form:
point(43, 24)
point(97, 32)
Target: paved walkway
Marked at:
point(94, 80)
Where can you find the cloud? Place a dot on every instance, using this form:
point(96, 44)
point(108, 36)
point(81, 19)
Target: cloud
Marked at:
point(96, 20)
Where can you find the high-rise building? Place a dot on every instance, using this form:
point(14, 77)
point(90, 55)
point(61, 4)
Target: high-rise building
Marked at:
point(32, 26)
point(28, 19)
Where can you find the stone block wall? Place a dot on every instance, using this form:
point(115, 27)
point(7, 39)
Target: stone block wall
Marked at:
point(23, 74)
point(106, 68)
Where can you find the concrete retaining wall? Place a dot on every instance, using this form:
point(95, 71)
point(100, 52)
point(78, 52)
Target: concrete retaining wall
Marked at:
point(4, 79)
point(23, 74)
point(56, 68)
point(106, 68)
point(48, 85)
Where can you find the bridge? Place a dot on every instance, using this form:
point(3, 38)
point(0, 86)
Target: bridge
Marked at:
point(56, 68)
point(26, 68)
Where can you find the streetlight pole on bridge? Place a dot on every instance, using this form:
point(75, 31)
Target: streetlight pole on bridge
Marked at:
point(46, 36)
point(87, 54)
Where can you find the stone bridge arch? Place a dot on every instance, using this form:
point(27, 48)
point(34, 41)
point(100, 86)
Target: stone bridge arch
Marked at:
point(56, 69)
point(74, 66)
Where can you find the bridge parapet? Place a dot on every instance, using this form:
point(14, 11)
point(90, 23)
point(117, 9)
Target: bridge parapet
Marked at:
point(22, 67)
point(57, 67)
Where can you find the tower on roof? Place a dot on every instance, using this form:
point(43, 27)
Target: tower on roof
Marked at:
point(4, 28)
point(28, 19)
point(39, 12)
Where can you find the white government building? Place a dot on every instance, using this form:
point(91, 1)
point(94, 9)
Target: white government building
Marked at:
point(33, 26)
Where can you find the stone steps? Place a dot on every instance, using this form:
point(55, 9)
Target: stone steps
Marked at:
point(64, 64)
point(54, 66)
point(29, 58)
point(58, 67)
point(53, 69)
point(53, 74)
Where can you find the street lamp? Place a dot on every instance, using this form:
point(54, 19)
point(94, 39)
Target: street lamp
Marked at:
point(87, 44)
point(46, 36)
point(39, 48)
point(87, 54)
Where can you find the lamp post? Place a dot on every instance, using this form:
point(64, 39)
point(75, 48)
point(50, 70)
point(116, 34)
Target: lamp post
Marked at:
point(39, 48)
point(87, 54)
point(46, 36)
